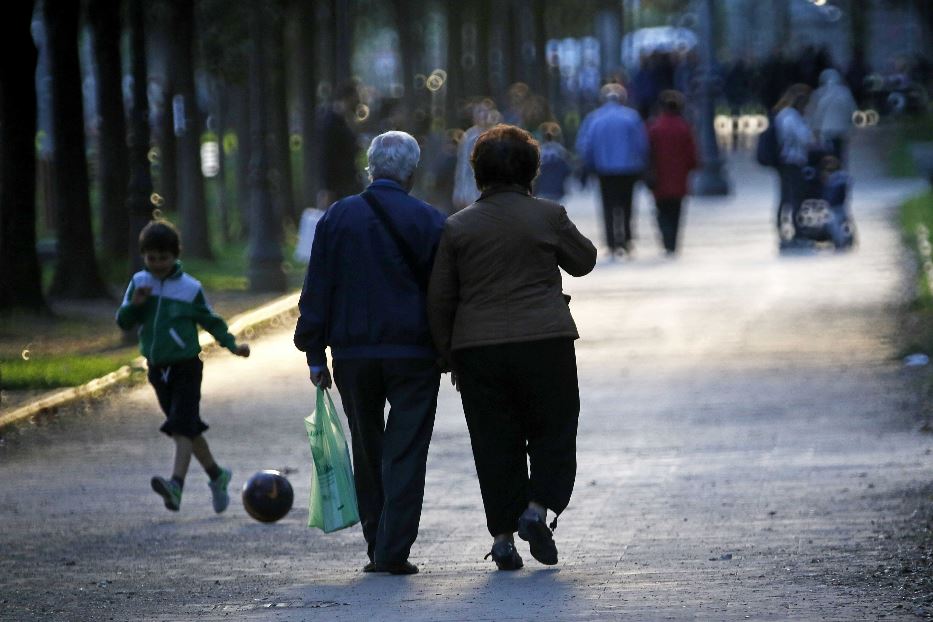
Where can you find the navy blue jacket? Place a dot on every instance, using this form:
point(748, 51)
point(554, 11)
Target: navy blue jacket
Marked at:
point(359, 296)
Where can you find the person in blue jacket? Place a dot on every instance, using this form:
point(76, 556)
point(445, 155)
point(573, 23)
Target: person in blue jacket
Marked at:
point(613, 143)
point(364, 297)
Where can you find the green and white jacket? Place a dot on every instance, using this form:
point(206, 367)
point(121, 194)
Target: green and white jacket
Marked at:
point(168, 320)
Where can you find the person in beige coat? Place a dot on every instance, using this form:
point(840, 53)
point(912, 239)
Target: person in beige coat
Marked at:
point(501, 321)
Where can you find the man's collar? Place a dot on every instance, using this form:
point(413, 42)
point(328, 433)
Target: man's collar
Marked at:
point(504, 188)
point(385, 182)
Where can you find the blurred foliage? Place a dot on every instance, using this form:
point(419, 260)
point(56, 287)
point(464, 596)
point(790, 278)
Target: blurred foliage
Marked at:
point(223, 36)
point(906, 131)
point(919, 211)
point(916, 333)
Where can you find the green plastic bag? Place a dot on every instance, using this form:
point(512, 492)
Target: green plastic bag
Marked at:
point(332, 505)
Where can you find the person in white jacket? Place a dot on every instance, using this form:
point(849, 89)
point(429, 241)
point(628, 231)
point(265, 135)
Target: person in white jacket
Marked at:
point(830, 113)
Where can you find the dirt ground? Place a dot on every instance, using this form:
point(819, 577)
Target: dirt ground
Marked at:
point(750, 448)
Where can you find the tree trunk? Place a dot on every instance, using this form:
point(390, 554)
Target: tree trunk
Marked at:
point(167, 178)
point(139, 192)
point(497, 59)
point(307, 81)
point(265, 233)
point(20, 277)
point(76, 273)
point(405, 27)
point(279, 138)
point(239, 99)
point(539, 58)
point(220, 93)
point(343, 42)
point(192, 207)
point(104, 16)
point(453, 88)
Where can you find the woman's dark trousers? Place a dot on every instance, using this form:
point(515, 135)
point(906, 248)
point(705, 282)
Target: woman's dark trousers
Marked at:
point(617, 192)
point(669, 221)
point(389, 453)
point(792, 189)
point(522, 403)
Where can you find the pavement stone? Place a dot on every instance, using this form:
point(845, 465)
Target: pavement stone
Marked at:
point(746, 441)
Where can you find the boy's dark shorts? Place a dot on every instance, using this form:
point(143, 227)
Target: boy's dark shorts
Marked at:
point(178, 387)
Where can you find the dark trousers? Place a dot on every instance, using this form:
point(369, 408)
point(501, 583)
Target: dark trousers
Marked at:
point(389, 453)
point(617, 191)
point(668, 213)
point(178, 389)
point(521, 403)
point(792, 189)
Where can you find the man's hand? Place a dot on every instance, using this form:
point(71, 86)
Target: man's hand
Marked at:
point(242, 350)
point(140, 295)
point(321, 378)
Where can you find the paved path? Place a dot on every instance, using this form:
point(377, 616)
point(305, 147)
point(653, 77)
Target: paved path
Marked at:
point(746, 437)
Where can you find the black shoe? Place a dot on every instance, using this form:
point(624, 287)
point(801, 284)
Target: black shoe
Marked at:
point(370, 567)
point(505, 555)
point(404, 567)
point(531, 528)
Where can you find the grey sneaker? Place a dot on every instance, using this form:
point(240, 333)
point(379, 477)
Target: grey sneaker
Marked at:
point(219, 495)
point(169, 491)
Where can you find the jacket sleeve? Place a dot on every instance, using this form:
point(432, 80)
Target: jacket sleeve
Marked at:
point(212, 323)
point(129, 315)
point(584, 143)
point(314, 303)
point(575, 253)
point(443, 296)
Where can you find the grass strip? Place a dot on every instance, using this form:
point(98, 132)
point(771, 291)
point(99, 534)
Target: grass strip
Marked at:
point(52, 372)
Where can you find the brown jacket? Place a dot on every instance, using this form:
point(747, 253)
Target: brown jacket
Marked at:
point(496, 277)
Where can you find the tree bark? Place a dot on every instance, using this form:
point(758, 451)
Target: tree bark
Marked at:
point(239, 112)
point(192, 206)
point(343, 42)
point(20, 276)
point(139, 203)
point(305, 61)
point(279, 138)
point(219, 94)
point(404, 27)
point(104, 16)
point(76, 273)
point(265, 233)
point(453, 88)
point(539, 58)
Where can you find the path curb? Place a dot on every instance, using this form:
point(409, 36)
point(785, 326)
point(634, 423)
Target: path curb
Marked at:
point(244, 323)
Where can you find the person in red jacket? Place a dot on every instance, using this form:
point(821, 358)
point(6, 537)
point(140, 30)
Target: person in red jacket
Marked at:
point(673, 155)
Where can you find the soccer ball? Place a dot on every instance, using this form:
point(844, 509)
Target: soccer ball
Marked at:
point(267, 496)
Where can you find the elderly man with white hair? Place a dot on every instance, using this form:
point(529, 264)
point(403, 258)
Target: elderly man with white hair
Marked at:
point(613, 143)
point(364, 297)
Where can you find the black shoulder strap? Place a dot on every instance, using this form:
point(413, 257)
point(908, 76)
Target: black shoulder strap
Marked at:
point(407, 253)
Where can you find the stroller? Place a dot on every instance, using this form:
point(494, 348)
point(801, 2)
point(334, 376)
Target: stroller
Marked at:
point(822, 216)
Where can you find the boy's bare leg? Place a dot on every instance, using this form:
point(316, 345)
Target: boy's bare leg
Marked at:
point(202, 452)
point(183, 450)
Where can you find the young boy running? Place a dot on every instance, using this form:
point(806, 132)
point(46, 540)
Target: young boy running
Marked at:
point(168, 305)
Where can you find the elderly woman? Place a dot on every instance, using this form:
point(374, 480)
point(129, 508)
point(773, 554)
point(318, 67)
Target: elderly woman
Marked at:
point(500, 320)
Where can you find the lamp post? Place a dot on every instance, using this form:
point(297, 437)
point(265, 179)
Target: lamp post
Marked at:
point(709, 180)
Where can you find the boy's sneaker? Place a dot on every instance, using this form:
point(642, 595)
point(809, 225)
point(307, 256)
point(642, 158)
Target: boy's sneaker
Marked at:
point(219, 495)
point(168, 490)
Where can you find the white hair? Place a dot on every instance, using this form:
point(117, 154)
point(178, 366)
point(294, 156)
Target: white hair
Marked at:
point(393, 155)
